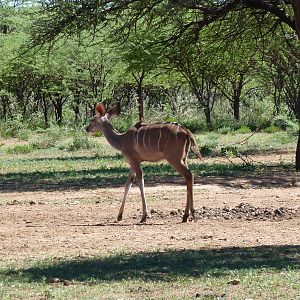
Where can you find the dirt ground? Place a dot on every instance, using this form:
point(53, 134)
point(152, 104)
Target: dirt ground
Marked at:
point(231, 212)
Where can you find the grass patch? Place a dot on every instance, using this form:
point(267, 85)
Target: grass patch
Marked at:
point(212, 143)
point(263, 272)
point(20, 149)
point(101, 166)
point(76, 172)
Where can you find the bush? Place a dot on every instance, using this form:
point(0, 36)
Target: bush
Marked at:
point(283, 137)
point(243, 129)
point(229, 151)
point(43, 142)
point(283, 123)
point(193, 125)
point(271, 129)
point(80, 141)
point(124, 122)
point(209, 143)
point(11, 128)
point(224, 130)
point(20, 149)
point(206, 150)
point(23, 134)
point(49, 137)
point(223, 124)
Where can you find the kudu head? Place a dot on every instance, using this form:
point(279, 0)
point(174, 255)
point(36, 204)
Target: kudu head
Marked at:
point(102, 117)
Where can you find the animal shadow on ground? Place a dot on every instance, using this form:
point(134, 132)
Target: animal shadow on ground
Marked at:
point(162, 266)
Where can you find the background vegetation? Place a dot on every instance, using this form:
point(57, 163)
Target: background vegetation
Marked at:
point(212, 82)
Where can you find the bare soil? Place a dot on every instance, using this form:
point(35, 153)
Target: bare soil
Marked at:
point(231, 212)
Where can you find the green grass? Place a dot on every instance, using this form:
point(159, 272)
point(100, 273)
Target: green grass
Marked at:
point(258, 142)
point(263, 272)
point(60, 173)
point(57, 169)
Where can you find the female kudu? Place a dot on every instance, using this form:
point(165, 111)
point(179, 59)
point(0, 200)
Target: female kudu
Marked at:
point(149, 142)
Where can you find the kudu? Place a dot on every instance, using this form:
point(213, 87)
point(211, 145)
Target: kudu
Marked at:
point(149, 142)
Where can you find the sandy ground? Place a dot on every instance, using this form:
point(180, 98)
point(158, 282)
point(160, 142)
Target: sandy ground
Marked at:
point(72, 223)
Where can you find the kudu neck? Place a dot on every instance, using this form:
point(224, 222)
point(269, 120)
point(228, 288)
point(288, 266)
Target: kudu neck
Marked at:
point(112, 136)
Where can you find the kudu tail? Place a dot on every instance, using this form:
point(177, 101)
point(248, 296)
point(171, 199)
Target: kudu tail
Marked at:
point(194, 146)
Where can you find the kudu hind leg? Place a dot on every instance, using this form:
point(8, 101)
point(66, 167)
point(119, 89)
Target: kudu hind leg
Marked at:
point(189, 180)
point(128, 185)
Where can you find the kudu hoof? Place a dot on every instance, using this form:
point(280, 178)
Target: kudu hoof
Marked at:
point(119, 217)
point(144, 219)
point(185, 218)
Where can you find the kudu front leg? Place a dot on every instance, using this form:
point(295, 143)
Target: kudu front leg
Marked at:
point(140, 180)
point(128, 185)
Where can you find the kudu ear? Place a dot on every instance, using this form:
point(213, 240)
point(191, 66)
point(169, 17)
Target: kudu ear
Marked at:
point(115, 110)
point(100, 109)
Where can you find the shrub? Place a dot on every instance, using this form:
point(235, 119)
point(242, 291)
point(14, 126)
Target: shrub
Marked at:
point(20, 149)
point(10, 128)
point(209, 143)
point(271, 129)
point(283, 137)
point(243, 129)
point(193, 125)
point(43, 142)
point(206, 150)
point(229, 151)
point(23, 134)
point(124, 122)
point(283, 123)
point(80, 141)
point(225, 124)
point(224, 130)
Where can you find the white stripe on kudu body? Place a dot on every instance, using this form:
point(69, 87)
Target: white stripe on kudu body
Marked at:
point(145, 130)
point(159, 136)
point(137, 136)
point(170, 132)
point(163, 143)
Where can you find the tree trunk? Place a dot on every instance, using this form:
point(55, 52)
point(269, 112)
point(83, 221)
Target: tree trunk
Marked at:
point(5, 104)
point(58, 108)
point(207, 113)
point(277, 101)
point(236, 107)
point(76, 108)
point(298, 151)
point(237, 92)
point(297, 108)
point(296, 8)
point(140, 94)
point(45, 110)
point(141, 105)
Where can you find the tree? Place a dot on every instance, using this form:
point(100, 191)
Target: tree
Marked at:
point(141, 57)
point(69, 17)
point(201, 73)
